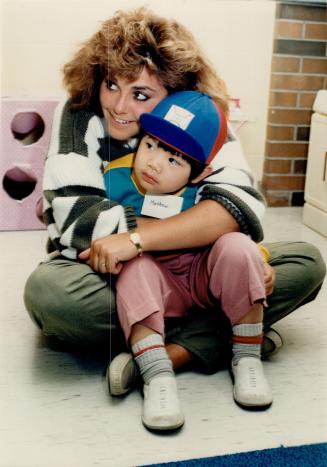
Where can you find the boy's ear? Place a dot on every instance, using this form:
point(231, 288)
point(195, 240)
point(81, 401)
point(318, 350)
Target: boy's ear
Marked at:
point(204, 174)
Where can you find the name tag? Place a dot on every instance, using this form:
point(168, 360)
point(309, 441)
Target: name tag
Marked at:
point(161, 206)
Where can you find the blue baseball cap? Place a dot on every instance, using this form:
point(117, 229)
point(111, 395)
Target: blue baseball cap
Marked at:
point(190, 122)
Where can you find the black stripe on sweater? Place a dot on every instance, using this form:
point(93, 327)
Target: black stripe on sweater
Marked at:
point(247, 189)
point(72, 131)
point(54, 244)
point(82, 208)
point(249, 222)
point(48, 216)
point(83, 230)
point(73, 190)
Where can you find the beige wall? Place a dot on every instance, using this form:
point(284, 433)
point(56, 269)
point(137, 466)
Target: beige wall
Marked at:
point(39, 36)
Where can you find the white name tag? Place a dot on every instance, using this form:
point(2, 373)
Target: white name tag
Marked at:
point(179, 116)
point(161, 206)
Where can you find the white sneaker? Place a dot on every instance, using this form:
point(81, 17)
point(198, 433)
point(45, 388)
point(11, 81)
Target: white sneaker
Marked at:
point(122, 374)
point(251, 389)
point(161, 406)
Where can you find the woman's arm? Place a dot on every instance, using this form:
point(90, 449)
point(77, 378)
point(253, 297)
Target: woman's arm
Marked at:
point(198, 226)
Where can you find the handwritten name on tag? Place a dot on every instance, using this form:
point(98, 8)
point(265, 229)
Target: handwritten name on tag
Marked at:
point(161, 206)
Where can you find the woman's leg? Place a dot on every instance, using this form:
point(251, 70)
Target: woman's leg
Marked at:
point(71, 302)
point(300, 272)
point(50, 296)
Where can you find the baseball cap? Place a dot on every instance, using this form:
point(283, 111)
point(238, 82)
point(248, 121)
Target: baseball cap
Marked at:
point(190, 122)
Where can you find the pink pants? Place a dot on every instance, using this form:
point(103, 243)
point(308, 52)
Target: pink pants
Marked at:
point(230, 273)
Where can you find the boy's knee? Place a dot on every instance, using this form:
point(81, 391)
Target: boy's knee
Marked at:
point(235, 247)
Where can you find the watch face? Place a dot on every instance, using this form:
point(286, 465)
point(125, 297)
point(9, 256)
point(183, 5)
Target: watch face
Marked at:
point(135, 237)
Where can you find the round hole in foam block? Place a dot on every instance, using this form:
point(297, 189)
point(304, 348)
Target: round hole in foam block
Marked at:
point(19, 183)
point(27, 127)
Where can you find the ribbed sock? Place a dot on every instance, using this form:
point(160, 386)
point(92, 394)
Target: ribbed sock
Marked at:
point(247, 340)
point(151, 357)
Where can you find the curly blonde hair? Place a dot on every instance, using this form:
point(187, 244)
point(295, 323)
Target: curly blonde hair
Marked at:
point(132, 40)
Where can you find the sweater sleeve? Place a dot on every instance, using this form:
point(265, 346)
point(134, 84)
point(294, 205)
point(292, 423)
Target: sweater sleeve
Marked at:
point(231, 184)
point(76, 209)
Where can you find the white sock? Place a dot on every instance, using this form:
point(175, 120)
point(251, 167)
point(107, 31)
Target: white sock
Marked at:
point(151, 357)
point(247, 340)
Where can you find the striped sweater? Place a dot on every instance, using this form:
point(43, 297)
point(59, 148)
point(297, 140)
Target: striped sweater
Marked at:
point(76, 207)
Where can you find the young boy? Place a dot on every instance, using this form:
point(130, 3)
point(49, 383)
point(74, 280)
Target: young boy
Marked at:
point(183, 133)
point(172, 158)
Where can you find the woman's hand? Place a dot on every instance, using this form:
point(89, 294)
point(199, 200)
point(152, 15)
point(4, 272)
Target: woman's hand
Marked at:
point(106, 254)
point(270, 278)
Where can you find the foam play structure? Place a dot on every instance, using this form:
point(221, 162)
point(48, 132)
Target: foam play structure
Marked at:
point(25, 135)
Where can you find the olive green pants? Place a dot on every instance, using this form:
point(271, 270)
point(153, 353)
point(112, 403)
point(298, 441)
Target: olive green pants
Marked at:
point(71, 302)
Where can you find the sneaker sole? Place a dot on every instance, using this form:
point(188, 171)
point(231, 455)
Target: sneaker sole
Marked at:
point(174, 427)
point(253, 408)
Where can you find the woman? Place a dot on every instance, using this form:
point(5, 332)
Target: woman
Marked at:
point(124, 70)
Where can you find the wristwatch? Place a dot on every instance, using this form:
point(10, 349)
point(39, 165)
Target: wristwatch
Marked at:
point(136, 240)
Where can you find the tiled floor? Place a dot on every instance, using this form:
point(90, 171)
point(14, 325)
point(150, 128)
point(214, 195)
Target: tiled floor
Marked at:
point(56, 411)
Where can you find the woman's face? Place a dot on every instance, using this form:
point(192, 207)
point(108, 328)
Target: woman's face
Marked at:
point(123, 102)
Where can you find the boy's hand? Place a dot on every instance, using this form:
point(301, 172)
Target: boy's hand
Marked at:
point(106, 254)
point(270, 278)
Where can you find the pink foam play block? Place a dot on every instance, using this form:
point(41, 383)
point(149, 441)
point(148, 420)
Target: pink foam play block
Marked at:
point(24, 141)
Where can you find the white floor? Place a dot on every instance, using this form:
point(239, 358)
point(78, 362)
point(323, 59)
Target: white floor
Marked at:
point(56, 411)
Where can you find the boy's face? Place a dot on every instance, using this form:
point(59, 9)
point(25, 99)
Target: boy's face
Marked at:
point(159, 171)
